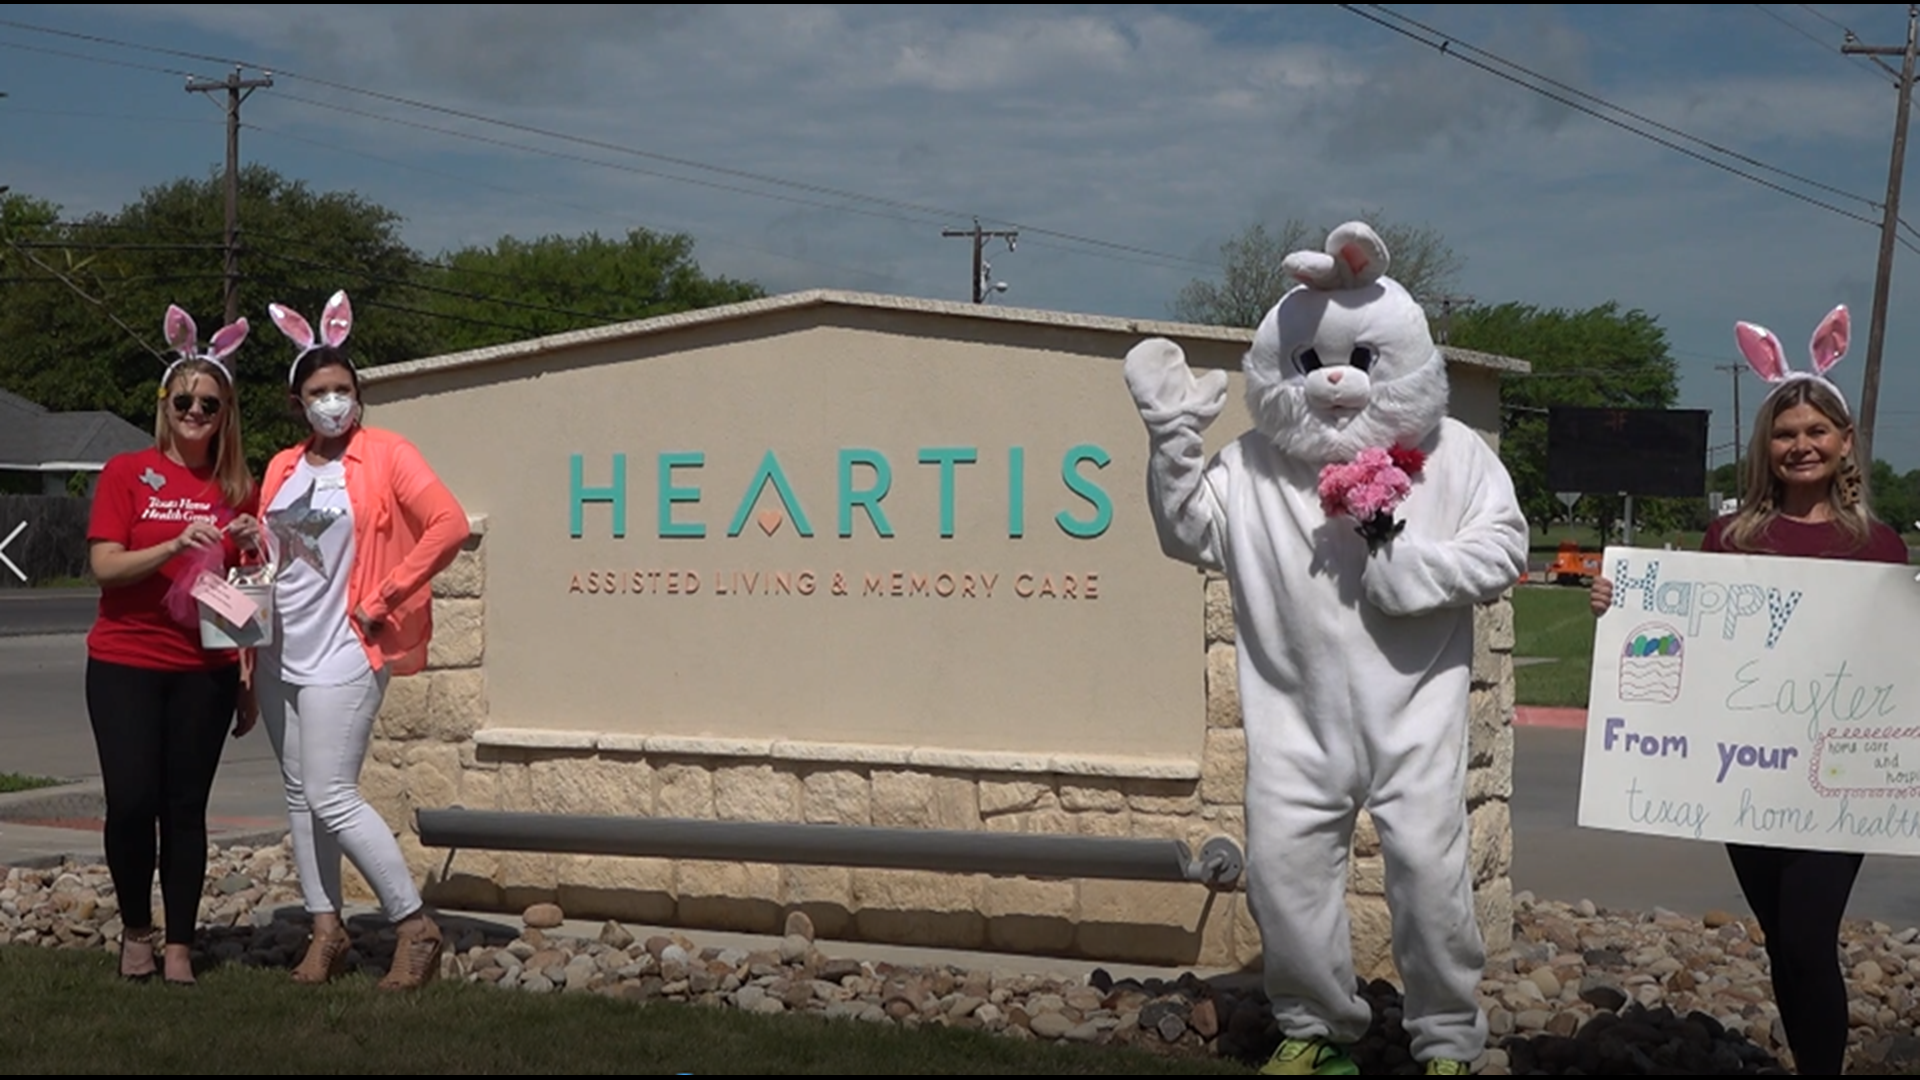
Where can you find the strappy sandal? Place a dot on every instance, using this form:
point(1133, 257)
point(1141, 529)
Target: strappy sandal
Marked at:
point(147, 939)
point(416, 957)
point(326, 958)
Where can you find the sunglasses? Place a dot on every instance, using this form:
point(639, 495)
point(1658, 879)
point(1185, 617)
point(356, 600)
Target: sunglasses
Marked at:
point(183, 404)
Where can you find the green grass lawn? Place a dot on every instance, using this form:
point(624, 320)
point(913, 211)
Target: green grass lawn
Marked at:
point(67, 1013)
point(10, 782)
point(1552, 622)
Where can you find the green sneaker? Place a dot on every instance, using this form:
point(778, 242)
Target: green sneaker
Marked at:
point(1448, 1067)
point(1310, 1057)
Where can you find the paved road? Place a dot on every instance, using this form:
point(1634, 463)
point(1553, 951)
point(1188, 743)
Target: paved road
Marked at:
point(46, 611)
point(44, 731)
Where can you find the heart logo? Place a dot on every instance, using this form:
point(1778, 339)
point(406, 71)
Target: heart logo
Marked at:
point(770, 521)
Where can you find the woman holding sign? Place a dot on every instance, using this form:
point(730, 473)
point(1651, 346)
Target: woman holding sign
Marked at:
point(360, 524)
point(160, 704)
point(1803, 496)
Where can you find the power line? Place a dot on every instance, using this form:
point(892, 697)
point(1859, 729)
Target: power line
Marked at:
point(278, 133)
point(1802, 31)
point(605, 320)
point(930, 217)
point(817, 189)
point(84, 295)
point(1450, 44)
point(23, 47)
point(1445, 47)
point(1830, 20)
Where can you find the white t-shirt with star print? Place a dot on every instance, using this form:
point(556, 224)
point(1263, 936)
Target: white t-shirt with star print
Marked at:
point(311, 522)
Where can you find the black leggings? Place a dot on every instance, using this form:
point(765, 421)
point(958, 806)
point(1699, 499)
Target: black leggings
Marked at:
point(159, 734)
point(1799, 898)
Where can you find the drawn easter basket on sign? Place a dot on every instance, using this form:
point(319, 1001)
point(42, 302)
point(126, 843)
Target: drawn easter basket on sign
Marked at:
point(1652, 662)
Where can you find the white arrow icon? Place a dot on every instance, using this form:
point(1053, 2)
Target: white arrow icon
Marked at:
point(17, 530)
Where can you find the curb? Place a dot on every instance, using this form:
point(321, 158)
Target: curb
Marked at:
point(1547, 716)
point(81, 799)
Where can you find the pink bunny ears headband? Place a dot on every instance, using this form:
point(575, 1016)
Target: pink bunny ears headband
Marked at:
point(1769, 361)
point(336, 322)
point(184, 337)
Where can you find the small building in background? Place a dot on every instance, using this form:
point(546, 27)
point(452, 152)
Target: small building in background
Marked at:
point(42, 451)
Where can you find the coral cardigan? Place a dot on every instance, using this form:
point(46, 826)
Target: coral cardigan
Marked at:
point(407, 527)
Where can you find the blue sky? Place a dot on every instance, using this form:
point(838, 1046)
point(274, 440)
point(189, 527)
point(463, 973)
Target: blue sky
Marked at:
point(829, 147)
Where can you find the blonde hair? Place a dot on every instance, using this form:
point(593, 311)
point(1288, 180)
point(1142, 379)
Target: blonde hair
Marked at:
point(229, 461)
point(1762, 491)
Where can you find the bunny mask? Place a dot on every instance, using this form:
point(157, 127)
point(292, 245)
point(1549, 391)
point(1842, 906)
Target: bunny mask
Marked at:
point(1769, 361)
point(184, 338)
point(336, 322)
point(1344, 361)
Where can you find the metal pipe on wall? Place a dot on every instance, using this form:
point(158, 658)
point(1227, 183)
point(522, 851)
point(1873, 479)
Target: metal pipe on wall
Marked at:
point(952, 851)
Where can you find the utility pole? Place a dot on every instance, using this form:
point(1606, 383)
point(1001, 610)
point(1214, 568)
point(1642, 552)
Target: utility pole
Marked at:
point(1446, 315)
point(981, 269)
point(1890, 220)
point(1738, 446)
point(238, 90)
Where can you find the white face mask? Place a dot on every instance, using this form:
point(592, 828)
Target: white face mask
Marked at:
point(332, 415)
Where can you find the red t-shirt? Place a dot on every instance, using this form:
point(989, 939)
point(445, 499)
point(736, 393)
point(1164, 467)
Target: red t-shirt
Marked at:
point(1825, 540)
point(144, 499)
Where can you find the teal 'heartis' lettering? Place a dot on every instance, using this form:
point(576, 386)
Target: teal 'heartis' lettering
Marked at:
point(864, 478)
point(1696, 601)
point(579, 494)
point(947, 457)
point(1088, 490)
point(669, 494)
point(770, 472)
point(868, 498)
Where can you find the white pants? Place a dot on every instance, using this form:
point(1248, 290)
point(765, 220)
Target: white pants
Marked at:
point(320, 734)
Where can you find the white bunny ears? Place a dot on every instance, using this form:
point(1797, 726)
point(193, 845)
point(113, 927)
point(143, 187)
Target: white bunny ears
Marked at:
point(1769, 361)
point(184, 337)
point(1355, 256)
point(336, 322)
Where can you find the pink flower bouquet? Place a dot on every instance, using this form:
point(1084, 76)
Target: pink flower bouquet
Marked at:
point(1369, 488)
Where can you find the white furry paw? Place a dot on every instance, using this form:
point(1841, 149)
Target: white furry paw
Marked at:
point(1163, 385)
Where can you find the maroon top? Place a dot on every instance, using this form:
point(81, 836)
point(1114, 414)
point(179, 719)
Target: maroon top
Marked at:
point(1824, 540)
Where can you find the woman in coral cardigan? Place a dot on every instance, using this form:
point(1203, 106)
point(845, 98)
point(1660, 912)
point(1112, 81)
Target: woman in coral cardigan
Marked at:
point(360, 525)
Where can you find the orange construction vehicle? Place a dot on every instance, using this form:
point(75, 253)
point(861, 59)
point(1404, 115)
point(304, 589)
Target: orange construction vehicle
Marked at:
point(1571, 566)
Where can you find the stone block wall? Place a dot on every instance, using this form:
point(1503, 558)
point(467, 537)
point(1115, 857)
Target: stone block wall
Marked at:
point(434, 747)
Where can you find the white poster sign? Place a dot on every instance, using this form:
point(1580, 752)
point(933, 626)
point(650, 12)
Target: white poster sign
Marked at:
point(1758, 700)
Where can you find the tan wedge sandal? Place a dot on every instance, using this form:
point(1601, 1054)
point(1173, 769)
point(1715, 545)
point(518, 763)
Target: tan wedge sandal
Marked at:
point(416, 956)
point(326, 958)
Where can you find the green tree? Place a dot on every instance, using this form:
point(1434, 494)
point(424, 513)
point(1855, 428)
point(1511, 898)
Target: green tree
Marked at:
point(1600, 357)
point(517, 289)
point(80, 327)
point(1251, 281)
point(1895, 498)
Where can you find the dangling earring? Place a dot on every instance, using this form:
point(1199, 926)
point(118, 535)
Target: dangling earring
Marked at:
point(1850, 485)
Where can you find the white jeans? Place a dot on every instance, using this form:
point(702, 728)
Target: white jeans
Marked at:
point(320, 734)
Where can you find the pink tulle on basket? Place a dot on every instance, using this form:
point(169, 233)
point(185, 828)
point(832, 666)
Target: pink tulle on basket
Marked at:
point(1369, 488)
point(187, 568)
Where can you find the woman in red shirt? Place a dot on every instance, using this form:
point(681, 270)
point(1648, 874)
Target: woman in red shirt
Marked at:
point(1803, 496)
point(362, 524)
point(161, 705)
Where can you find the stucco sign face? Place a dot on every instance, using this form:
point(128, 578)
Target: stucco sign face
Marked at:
point(851, 504)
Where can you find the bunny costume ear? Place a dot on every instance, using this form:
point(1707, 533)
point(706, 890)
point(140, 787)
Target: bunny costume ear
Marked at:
point(1355, 256)
point(336, 322)
point(183, 336)
point(1769, 361)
